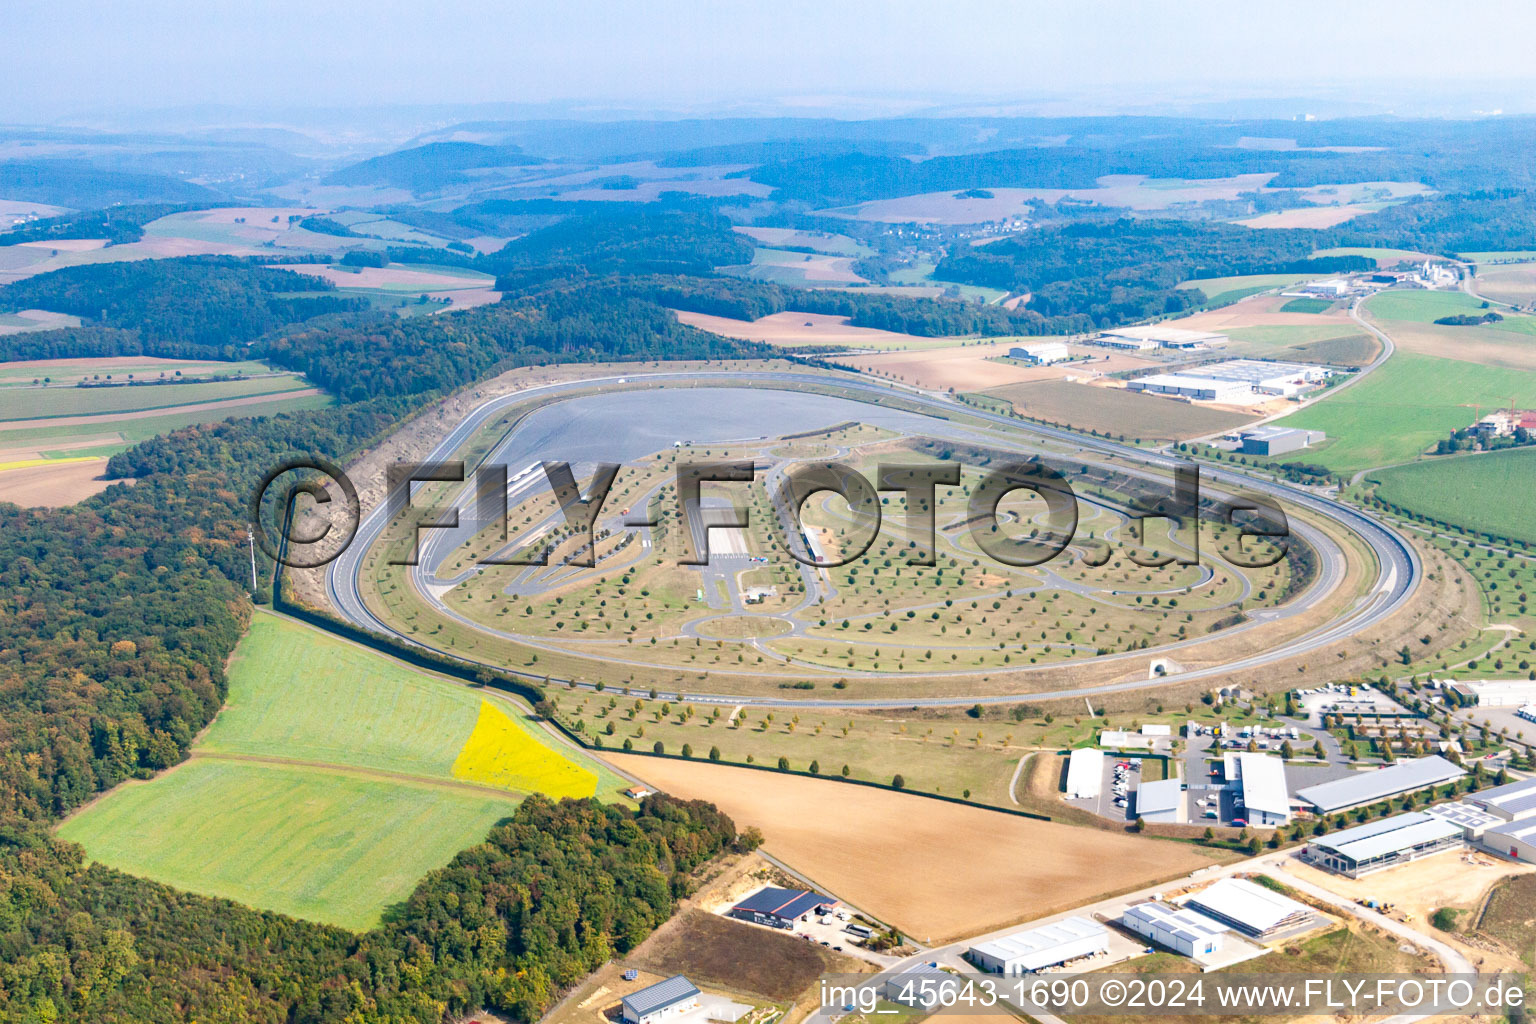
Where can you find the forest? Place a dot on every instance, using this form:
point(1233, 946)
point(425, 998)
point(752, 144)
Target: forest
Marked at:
point(117, 224)
point(117, 616)
point(200, 306)
point(1125, 270)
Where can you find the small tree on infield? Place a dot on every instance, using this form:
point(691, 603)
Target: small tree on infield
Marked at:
point(815, 767)
point(783, 764)
point(897, 782)
point(714, 753)
point(660, 747)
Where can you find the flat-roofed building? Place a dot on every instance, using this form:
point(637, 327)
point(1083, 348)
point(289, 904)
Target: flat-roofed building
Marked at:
point(1085, 773)
point(1514, 801)
point(919, 986)
point(1162, 802)
point(1183, 931)
point(1273, 440)
point(1516, 839)
point(1199, 389)
point(1495, 693)
point(1248, 907)
point(1157, 336)
point(1041, 353)
point(1369, 787)
point(1378, 845)
point(1471, 819)
point(1047, 946)
point(1262, 794)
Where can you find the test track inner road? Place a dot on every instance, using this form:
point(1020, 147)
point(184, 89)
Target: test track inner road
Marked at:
point(1398, 576)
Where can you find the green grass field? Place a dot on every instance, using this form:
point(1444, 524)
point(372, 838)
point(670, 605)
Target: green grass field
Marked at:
point(324, 845)
point(1383, 257)
point(1483, 492)
point(1307, 306)
point(143, 428)
point(1421, 307)
point(23, 374)
point(1508, 256)
point(59, 400)
point(327, 786)
point(1221, 290)
point(1404, 407)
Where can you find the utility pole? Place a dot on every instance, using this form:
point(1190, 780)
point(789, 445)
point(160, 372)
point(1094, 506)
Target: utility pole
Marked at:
point(250, 540)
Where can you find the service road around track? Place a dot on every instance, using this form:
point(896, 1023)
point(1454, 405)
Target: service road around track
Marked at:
point(1399, 570)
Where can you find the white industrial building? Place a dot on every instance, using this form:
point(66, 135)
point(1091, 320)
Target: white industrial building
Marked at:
point(1378, 845)
point(1162, 802)
point(907, 987)
point(1085, 774)
point(1371, 787)
point(1180, 930)
point(1248, 907)
point(1039, 948)
point(1471, 819)
point(1199, 389)
point(1273, 440)
point(1495, 693)
point(1156, 336)
point(1515, 801)
point(1516, 839)
point(1040, 353)
point(1262, 796)
point(662, 1001)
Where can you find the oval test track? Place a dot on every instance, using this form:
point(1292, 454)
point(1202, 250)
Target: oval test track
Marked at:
point(1399, 569)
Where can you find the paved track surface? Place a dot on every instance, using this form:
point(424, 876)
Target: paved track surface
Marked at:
point(1398, 576)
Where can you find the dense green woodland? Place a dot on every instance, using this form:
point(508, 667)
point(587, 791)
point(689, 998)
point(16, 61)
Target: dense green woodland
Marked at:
point(1129, 269)
point(206, 306)
point(117, 616)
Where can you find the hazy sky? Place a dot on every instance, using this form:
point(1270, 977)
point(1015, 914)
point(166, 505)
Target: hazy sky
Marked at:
point(75, 57)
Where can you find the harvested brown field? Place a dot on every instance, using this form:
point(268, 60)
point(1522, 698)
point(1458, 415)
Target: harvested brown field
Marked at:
point(1514, 283)
point(1510, 917)
point(1257, 311)
point(933, 869)
point(1306, 217)
point(53, 486)
point(793, 330)
point(1118, 411)
point(980, 366)
point(467, 298)
point(69, 244)
point(1486, 346)
point(392, 278)
point(717, 951)
point(1135, 191)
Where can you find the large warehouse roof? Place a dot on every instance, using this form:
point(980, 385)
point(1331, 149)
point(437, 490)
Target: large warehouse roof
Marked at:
point(1379, 838)
point(1159, 797)
point(1368, 787)
point(1034, 946)
point(1522, 831)
point(1515, 800)
point(1085, 772)
point(1249, 906)
point(1264, 786)
point(1165, 334)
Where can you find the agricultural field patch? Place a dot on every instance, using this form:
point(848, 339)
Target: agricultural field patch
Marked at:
point(1223, 290)
point(1404, 407)
point(821, 241)
point(502, 753)
point(1510, 916)
point(1383, 257)
point(799, 330)
point(1307, 306)
point(1421, 306)
point(797, 268)
point(329, 784)
point(1339, 344)
point(968, 858)
point(1116, 411)
point(1471, 490)
point(325, 845)
point(35, 320)
point(1514, 283)
point(69, 400)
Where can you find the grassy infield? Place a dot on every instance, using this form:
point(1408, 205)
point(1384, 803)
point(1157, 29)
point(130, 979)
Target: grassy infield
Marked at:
point(331, 782)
